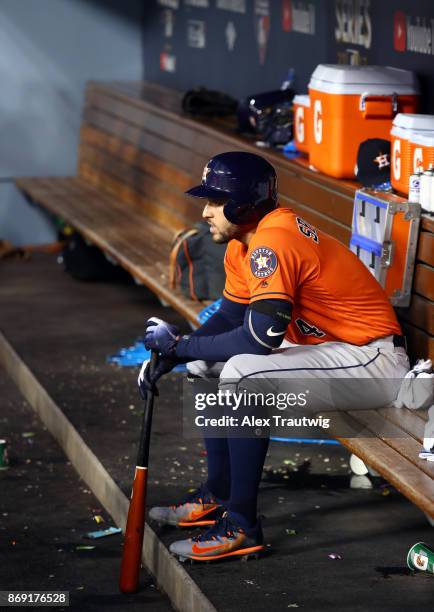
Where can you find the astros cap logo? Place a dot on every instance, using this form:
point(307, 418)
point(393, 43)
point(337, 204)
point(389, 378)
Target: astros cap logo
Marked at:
point(382, 160)
point(205, 173)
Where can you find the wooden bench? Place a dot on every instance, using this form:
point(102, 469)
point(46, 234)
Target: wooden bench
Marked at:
point(127, 197)
point(137, 155)
point(389, 441)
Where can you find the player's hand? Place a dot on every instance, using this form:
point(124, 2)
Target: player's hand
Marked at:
point(147, 381)
point(161, 336)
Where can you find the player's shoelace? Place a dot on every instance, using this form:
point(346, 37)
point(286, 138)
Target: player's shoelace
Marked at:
point(223, 528)
point(199, 496)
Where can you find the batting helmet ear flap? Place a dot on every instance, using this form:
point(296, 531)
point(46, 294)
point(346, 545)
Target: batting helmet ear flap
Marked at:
point(246, 214)
point(246, 180)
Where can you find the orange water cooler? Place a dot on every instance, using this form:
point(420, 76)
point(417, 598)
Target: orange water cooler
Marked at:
point(350, 104)
point(412, 147)
point(302, 123)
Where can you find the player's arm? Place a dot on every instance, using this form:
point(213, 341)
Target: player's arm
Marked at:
point(228, 316)
point(262, 330)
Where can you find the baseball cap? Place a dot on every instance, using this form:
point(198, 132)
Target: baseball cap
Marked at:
point(373, 162)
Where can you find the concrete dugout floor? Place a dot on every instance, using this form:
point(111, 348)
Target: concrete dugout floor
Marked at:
point(64, 330)
point(45, 512)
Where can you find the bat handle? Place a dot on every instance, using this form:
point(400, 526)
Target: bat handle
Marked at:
point(153, 361)
point(145, 437)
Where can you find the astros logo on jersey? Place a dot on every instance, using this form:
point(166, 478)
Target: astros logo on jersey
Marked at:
point(263, 262)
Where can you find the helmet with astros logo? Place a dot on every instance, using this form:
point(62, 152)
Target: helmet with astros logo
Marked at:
point(245, 181)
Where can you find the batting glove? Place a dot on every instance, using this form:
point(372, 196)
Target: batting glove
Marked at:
point(161, 336)
point(147, 381)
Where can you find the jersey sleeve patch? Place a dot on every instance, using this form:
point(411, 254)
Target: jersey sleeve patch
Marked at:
point(263, 262)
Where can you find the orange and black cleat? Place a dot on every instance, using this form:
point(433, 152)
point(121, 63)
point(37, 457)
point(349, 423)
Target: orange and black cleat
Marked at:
point(223, 540)
point(199, 509)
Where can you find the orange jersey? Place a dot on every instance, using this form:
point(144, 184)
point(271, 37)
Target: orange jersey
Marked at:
point(334, 296)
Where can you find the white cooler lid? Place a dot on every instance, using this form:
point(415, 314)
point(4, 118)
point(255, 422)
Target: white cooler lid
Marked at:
point(302, 100)
point(380, 80)
point(400, 132)
point(419, 123)
point(426, 139)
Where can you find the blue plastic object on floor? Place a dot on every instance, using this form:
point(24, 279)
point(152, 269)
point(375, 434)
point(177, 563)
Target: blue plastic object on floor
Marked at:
point(134, 356)
point(208, 311)
point(305, 441)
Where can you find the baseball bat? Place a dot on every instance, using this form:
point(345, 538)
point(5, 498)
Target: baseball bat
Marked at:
point(133, 541)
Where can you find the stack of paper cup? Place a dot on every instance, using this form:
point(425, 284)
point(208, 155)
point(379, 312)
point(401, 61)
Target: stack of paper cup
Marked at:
point(427, 189)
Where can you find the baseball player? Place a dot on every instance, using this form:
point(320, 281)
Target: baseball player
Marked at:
point(297, 303)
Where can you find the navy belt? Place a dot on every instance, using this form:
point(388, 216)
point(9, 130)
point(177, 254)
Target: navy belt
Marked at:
point(400, 341)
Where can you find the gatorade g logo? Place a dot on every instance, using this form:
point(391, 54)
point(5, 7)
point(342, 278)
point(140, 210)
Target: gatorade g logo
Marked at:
point(421, 561)
point(299, 124)
point(317, 121)
point(397, 159)
point(417, 159)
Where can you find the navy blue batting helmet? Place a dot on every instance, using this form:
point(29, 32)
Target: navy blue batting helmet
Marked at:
point(247, 181)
